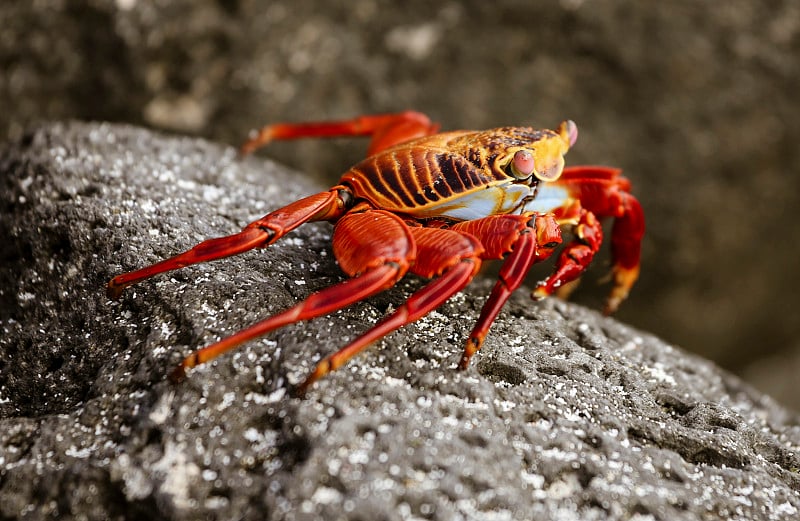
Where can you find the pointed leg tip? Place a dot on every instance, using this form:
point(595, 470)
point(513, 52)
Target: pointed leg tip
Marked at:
point(610, 307)
point(114, 290)
point(323, 368)
point(540, 293)
point(178, 374)
point(623, 278)
point(244, 150)
point(617, 297)
point(473, 345)
point(300, 390)
point(256, 139)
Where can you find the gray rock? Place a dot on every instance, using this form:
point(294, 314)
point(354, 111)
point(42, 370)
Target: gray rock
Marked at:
point(696, 102)
point(564, 414)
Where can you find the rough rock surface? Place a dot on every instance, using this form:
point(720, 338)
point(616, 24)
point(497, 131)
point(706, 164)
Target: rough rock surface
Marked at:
point(564, 414)
point(697, 101)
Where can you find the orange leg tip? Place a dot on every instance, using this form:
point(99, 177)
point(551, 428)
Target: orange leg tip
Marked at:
point(323, 368)
point(611, 305)
point(245, 149)
point(301, 390)
point(615, 298)
point(566, 289)
point(624, 278)
point(258, 140)
point(540, 292)
point(179, 373)
point(472, 347)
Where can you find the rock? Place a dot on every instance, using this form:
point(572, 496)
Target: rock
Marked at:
point(695, 102)
point(564, 414)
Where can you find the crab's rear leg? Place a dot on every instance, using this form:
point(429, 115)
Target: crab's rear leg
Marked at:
point(385, 129)
point(263, 232)
point(453, 258)
point(375, 247)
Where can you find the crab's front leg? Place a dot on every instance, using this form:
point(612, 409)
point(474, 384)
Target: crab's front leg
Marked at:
point(386, 130)
point(522, 240)
point(576, 257)
point(626, 247)
point(598, 192)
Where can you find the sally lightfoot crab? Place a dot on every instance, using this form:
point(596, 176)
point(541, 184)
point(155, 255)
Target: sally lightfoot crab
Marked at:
point(436, 205)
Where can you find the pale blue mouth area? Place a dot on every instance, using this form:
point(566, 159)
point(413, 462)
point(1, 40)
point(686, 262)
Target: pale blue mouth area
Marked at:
point(548, 198)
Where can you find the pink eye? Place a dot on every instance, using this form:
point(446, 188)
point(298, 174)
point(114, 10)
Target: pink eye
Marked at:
point(523, 163)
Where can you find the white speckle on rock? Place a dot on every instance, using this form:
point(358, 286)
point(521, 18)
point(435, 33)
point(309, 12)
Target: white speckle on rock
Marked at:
point(178, 471)
point(227, 399)
point(537, 480)
point(786, 508)
point(212, 193)
point(659, 373)
point(163, 408)
point(326, 496)
point(76, 452)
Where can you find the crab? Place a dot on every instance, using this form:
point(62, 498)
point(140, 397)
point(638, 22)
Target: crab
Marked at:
point(436, 204)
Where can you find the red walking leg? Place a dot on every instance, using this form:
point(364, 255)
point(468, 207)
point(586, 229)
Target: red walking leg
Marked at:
point(385, 254)
point(523, 240)
point(451, 256)
point(385, 129)
point(258, 234)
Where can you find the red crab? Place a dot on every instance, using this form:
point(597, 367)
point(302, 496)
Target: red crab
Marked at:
point(436, 205)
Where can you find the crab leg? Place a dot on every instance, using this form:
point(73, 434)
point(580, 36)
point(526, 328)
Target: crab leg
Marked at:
point(258, 234)
point(386, 130)
point(451, 256)
point(576, 257)
point(375, 266)
point(523, 240)
point(626, 245)
point(605, 193)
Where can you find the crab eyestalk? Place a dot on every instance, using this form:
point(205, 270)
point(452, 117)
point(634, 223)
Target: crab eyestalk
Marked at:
point(548, 154)
point(568, 131)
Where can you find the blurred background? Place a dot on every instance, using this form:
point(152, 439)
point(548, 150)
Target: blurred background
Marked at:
point(699, 103)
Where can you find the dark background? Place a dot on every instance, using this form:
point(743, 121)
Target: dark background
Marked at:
point(697, 101)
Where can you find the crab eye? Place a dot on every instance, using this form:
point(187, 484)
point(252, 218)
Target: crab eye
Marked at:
point(522, 165)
